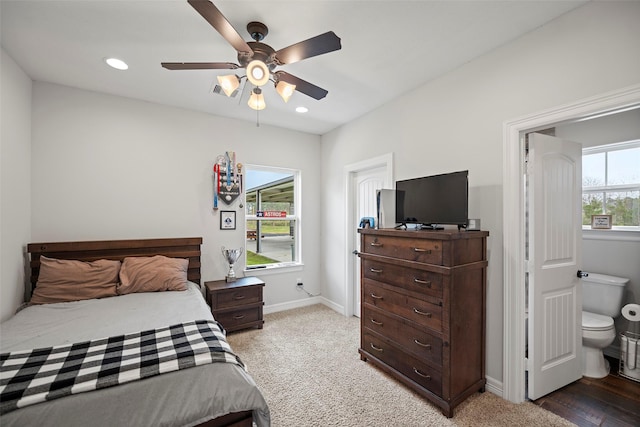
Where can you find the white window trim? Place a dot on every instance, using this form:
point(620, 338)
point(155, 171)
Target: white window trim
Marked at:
point(281, 267)
point(627, 233)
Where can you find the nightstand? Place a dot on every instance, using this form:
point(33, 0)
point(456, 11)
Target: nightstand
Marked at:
point(236, 305)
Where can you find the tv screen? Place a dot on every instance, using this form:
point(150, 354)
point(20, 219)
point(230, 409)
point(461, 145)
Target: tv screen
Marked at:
point(434, 200)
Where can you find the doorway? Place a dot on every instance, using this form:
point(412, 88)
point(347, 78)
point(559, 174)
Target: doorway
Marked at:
point(362, 180)
point(514, 360)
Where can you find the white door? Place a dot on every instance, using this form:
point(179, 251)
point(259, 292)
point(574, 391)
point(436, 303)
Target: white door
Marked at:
point(367, 182)
point(554, 177)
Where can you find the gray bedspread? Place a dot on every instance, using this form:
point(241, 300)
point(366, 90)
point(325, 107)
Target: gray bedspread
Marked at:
point(182, 398)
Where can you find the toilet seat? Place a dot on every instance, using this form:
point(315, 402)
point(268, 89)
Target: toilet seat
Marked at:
point(596, 322)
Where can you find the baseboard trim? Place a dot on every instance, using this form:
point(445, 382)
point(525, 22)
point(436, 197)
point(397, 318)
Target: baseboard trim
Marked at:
point(274, 308)
point(494, 386)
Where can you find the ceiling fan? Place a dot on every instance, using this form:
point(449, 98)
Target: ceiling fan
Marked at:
point(259, 59)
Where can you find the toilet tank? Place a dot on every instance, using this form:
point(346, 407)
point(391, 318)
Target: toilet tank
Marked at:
point(602, 294)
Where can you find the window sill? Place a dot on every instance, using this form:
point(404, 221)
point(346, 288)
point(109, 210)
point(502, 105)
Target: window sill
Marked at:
point(621, 235)
point(274, 269)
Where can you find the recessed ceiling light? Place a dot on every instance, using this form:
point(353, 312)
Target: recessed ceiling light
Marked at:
point(116, 63)
point(301, 109)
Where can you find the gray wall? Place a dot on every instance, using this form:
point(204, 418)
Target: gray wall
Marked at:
point(15, 182)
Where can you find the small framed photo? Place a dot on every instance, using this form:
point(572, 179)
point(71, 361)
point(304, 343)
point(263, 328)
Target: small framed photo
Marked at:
point(601, 222)
point(227, 220)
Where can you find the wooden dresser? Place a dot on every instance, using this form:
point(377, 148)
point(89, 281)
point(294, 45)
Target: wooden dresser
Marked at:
point(236, 305)
point(423, 310)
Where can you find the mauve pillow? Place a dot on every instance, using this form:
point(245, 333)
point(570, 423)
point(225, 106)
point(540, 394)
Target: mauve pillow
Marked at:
point(62, 280)
point(153, 274)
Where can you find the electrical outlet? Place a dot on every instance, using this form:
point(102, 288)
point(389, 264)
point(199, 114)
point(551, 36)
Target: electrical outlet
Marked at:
point(299, 281)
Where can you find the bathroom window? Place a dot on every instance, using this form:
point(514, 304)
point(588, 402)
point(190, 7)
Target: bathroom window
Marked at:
point(272, 216)
point(611, 184)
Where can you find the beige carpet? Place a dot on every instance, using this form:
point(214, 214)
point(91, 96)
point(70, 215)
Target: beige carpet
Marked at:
point(307, 365)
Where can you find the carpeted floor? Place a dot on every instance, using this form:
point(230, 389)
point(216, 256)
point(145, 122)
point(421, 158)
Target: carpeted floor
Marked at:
point(307, 365)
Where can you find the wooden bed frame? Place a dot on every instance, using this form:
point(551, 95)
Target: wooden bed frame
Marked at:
point(187, 247)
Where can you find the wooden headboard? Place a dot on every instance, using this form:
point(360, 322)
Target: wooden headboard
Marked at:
point(186, 247)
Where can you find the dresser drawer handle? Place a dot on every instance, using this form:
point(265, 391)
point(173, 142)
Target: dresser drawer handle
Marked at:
point(422, 282)
point(375, 322)
point(377, 244)
point(238, 316)
point(376, 348)
point(238, 296)
point(428, 251)
point(374, 296)
point(375, 270)
point(428, 377)
point(421, 344)
point(415, 310)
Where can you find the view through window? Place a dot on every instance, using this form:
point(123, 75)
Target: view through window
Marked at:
point(272, 217)
point(611, 184)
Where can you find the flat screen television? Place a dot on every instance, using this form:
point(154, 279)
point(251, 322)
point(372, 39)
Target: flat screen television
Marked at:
point(434, 200)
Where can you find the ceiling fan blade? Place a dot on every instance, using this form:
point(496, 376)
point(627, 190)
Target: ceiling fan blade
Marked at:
point(199, 65)
point(302, 86)
point(217, 20)
point(318, 45)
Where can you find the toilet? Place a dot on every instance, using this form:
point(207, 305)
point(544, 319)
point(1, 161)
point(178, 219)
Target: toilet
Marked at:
point(601, 302)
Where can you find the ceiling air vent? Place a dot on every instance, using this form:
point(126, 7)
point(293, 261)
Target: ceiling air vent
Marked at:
point(217, 89)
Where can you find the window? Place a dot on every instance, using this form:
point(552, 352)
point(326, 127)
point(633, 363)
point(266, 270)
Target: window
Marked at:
point(272, 217)
point(611, 184)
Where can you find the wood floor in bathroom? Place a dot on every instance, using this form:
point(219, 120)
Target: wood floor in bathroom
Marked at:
point(610, 401)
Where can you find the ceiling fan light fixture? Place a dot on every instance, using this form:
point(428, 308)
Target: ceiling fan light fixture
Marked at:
point(285, 90)
point(257, 72)
point(256, 100)
point(229, 83)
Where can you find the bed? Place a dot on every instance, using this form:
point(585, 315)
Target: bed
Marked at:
point(212, 394)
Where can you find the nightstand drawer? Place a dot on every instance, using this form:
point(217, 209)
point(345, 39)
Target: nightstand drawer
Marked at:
point(238, 297)
point(240, 318)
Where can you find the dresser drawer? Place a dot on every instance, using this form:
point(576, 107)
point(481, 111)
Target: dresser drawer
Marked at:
point(237, 297)
point(240, 318)
point(421, 373)
point(419, 250)
point(408, 278)
point(423, 345)
point(419, 311)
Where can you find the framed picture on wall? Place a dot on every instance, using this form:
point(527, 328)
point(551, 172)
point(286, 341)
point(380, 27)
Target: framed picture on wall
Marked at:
point(601, 222)
point(227, 220)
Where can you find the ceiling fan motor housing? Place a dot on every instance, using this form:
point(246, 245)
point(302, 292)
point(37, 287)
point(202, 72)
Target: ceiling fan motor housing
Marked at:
point(257, 30)
point(262, 52)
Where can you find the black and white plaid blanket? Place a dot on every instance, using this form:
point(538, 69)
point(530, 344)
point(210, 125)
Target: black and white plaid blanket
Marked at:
point(34, 376)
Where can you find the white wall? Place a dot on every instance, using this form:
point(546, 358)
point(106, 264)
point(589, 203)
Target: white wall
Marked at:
point(106, 167)
point(456, 123)
point(15, 182)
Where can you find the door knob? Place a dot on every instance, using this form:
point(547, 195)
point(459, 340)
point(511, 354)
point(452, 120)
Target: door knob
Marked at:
point(581, 274)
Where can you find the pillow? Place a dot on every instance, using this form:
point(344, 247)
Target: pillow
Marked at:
point(62, 280)
point(153, 274)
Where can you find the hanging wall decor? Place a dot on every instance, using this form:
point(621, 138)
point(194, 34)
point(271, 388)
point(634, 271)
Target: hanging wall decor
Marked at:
point(227, 179)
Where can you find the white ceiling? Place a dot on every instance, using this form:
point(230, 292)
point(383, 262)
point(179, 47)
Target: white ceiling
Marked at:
point(388, 48)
